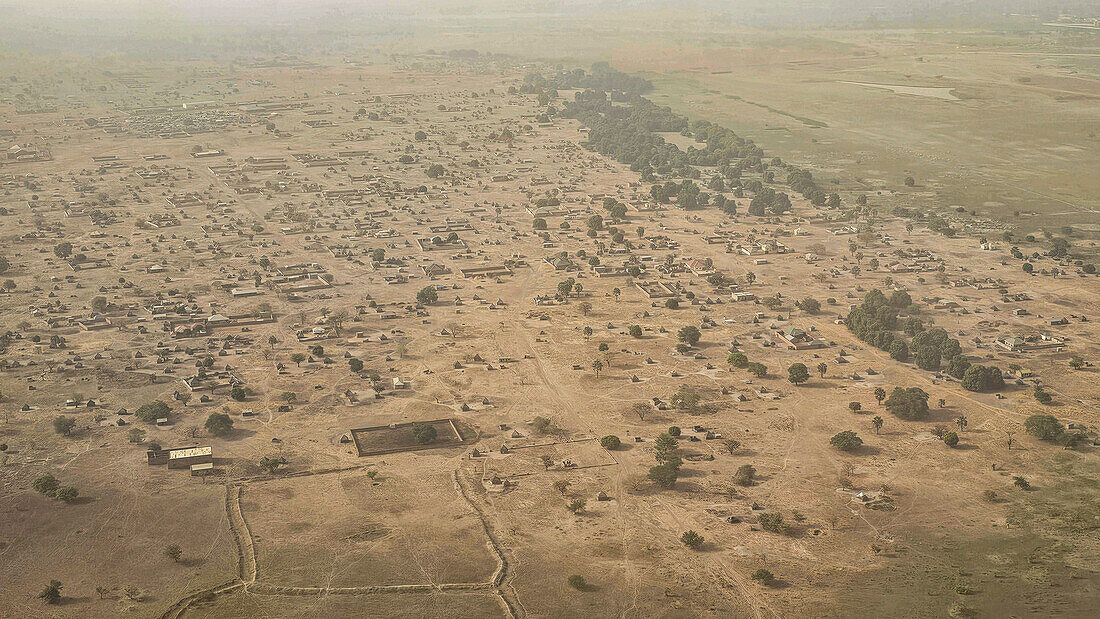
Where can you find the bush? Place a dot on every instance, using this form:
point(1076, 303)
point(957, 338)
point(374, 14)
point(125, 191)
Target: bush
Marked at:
point(67, 494)
point(423, 433)
point(951, 439)
point(772, 522)
point(610, 442)
point(846, 441)
point(635, 331)
point(763, 577)
point(691, 539)
point(674, 431)
point(577, 582)
point(672, 304)
point(52, 593)
point(46, 484)
point(744, 475)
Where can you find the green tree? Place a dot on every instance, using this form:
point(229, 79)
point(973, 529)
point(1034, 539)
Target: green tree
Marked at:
point(63, 250)
point(664, 475)
point(67, 494)
point(880, 395)
point(758, 370)
point(798, 374)
point(846, 441)
point(951, 439)
point(1044, 427)
point(576, 505)
point(63, 425)
point(610, 442)
point(877, 423)
point(577, 582)
point(356, 365)
point(219, 424)
point(136, 435)
point(910, 404)
point(772, 522)
point(238, 393)
point(427, 295)
point(809, 305)
point(737, 360)
point(689, 335)
point(298, 358)
point(635, 331)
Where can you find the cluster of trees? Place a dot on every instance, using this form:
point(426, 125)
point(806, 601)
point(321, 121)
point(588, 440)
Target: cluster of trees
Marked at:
point(49, 485)
point(1048, 428)
point(151, 411)
point(768, 200)
point(803, 182)
point(740, 360)
point(667, 470)
point(875, 320)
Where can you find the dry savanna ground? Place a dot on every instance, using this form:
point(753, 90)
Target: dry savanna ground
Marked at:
point(278, 253)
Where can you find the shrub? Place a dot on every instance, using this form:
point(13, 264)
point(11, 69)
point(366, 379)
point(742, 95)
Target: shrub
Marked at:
point(772, 522)
point(691, 539)
point(951, 439)
point(577, 582)
point(67, 494)
point(610, 442)
point(744, 475)
point(763, 577)
point(46, 484)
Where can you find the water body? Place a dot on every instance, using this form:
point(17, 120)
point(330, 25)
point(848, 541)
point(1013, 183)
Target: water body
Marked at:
point(935, 92)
